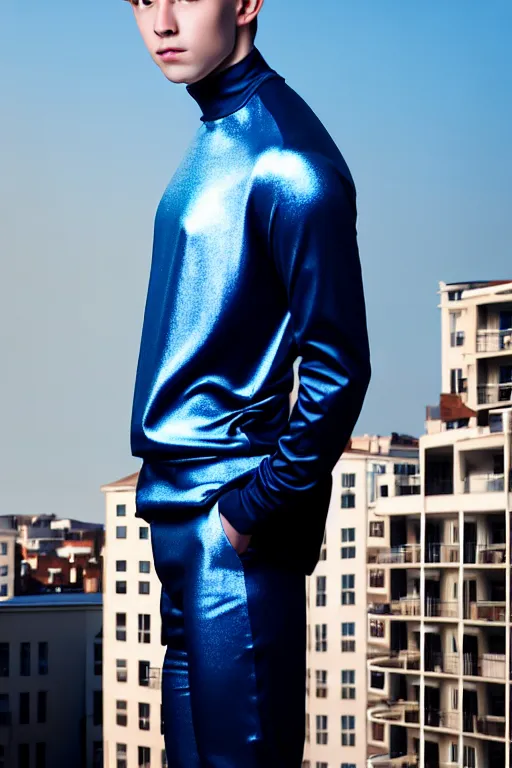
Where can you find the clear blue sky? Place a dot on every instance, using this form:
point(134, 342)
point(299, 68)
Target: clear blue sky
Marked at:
point(416, 94)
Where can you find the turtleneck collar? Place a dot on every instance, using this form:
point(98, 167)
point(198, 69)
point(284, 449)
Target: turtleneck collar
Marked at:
point(221, 93)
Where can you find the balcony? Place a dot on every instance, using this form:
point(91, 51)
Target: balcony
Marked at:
point(405, 553)
point(488, 483)
point(437, 552)
point(487, 725)
point(407, 485)
point(491, 394)
point(437, 718)
point(404, 606)
point(493, 341)
point(485, 610)
point(485, 554)
point(396, 660)
point(396, 712)
point(447, 663)
point(447, 609)
point(387, 761)
point(491, 665)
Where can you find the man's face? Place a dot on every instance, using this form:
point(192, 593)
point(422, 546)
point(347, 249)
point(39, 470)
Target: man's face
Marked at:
point(205, 30)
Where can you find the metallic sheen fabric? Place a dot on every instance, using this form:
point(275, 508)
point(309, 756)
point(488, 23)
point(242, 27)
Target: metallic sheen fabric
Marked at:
point(255, 263)
point(234, 668)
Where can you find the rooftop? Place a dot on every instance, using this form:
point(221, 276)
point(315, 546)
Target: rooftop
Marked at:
point(54, 600)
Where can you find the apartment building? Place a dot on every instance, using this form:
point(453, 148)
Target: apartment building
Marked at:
point(133, 653)
point(51, 681)
point(336, 701)
point(439, 616)
point(9, 563)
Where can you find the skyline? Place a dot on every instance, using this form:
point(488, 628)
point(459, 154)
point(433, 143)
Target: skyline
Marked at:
point(416, 99)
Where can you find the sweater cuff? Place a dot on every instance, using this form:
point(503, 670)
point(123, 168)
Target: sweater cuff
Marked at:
point(230, 504)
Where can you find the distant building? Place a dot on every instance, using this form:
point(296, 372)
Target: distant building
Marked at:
point(51, 681)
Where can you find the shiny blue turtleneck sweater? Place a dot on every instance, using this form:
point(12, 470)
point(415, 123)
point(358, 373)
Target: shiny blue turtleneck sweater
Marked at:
point(255, 263)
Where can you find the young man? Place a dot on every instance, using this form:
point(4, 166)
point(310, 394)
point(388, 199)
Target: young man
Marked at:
point(255, 263)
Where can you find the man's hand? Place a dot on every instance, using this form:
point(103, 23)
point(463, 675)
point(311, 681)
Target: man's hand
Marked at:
point(239, 541)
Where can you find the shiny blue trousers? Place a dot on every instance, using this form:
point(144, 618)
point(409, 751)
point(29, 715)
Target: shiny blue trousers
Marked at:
point(233, 676)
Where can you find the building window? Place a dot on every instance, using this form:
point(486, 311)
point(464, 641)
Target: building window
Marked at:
point(348, 631)
point(165, 764)
point(348, 595)
point(121, 510)
point(143, 716)
point(121, 756)
point(162, 722)
point(144, 628)
point(454, 295)
point(24, 709)
point(321, 729)
point(5, 712)
point(4, 659)
point(42, 660)
point(376, 628)
point(121, 671)
point(144, 757)
point(121, 531)
point(321, 637)
point(98, 658)
point(41, 755)
point(122, 712)
point(348, 765)
point(348, 553)
point(121, 587)
point(376, 529)
point(3, 547)
point(97, 754)
point(348, 534)
point(454, 752)
point(321, 683)
point(143, 672)
point(378, 731)
point(144, 566)
point(24, 659)
point(377, 578)
point(4, 570)
point(384, 491)
point(120, 626)
point(321, 594)
point(143, 532)
point(348, 500)
point(348, 683)
point(3, 590)
point(97, 708)
point(144, 587)
point(348, 479)
point(42, 697)
point(24, 756)
point(377, 680)
point(457, 382)
point(404, 469)
point(121, 565)
point(348, 736)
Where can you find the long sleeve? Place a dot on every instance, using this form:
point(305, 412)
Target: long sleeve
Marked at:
point(312, 238)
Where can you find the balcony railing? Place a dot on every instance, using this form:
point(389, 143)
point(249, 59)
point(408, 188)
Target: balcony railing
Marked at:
point(488, 554)
point(438, 486)
point(485, 610)
point(396, 659)
point(486, 665)
point(436, 661)
point(488, 725)
point(407, 485)
point(488, 394)
point(389, 761)
point(484, 483)
point(405, 553)
point(437, 552)
point(406, 606)
point(437, 718)
point(396, 712)
point(493, 341)
point(441, 608)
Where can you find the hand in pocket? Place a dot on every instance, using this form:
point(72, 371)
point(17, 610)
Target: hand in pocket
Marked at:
point(239, 541)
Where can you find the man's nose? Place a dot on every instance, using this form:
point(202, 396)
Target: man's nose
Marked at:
point(166, 21)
